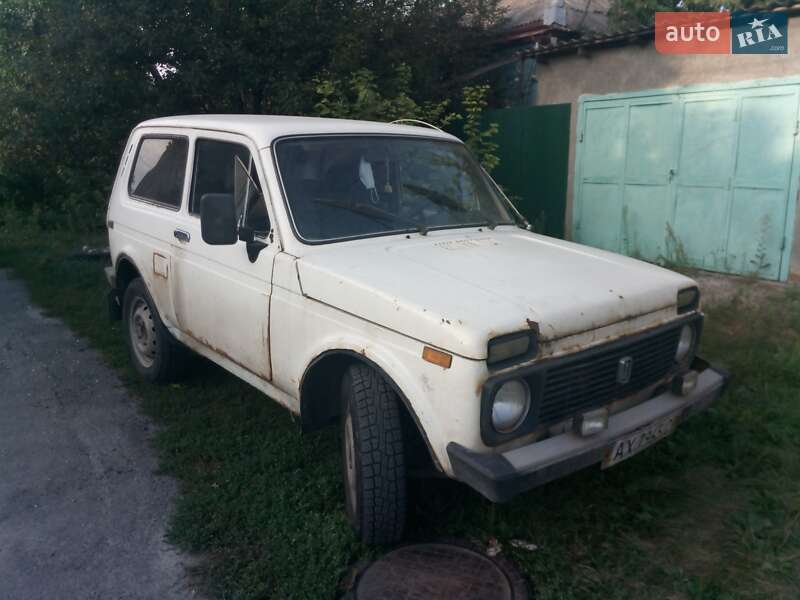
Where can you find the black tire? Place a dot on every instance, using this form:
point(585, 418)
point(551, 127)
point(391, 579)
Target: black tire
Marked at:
point(157, 356)
point(374, 469)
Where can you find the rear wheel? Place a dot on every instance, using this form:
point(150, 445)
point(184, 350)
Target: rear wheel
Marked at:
point(373, 456)
point(156, 355)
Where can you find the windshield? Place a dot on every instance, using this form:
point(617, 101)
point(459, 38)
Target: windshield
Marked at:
point(355, 186)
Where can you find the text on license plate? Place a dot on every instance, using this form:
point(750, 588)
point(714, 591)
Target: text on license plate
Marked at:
point(640, 439)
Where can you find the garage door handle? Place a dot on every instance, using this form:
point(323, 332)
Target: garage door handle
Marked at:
point(182, 236)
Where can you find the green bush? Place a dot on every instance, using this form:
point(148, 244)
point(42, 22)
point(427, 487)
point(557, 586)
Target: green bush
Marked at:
point(361, 97)
point(75, 77)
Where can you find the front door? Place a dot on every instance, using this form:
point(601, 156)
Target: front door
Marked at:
point(222, 297)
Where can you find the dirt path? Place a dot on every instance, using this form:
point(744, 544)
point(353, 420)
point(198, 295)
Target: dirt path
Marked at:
point(82, 511)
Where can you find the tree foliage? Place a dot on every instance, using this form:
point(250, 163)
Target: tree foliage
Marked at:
point(360, 97)
point(76, 76)
point(477, 136)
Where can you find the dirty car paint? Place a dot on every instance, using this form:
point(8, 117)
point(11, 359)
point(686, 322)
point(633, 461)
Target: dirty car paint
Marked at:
point(457, 290)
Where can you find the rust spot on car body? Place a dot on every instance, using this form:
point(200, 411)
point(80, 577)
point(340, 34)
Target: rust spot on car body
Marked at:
point(204, 342)
point(594, 326)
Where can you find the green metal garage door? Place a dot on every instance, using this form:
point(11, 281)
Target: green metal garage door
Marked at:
point(703, 176)
point(533, 146)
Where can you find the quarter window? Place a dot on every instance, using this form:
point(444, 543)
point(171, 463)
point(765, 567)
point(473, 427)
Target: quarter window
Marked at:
point(216, 172)
point(159, 170)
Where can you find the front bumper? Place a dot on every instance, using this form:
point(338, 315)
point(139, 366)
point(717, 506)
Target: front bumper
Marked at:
point(499, 477)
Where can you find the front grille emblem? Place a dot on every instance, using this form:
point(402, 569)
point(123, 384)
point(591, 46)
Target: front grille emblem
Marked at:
point(624, 369)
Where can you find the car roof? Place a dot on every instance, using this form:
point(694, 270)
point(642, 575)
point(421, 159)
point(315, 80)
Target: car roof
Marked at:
point(264, 129)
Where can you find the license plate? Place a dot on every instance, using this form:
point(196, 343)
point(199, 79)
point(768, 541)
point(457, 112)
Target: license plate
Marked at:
point(640, 439)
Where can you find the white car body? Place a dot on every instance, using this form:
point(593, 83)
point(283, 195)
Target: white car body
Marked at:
point(382, 299)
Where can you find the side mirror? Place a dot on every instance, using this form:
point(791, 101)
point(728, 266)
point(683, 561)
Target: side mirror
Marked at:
point(218, 219)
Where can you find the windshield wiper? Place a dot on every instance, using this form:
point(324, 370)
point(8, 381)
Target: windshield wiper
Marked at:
point(490, 222)
point(375, 213)
point(434, 196)
point(443, 200)
point(519, 220)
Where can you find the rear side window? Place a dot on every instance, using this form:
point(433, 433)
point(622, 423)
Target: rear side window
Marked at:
point(158, 172)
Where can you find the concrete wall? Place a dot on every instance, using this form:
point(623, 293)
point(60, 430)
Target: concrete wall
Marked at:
point(637, 66)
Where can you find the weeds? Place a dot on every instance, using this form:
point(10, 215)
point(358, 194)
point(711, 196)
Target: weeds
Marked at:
point(759, 261)
point(674, 251)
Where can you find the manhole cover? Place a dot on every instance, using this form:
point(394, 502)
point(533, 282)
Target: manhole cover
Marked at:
point(430, 571)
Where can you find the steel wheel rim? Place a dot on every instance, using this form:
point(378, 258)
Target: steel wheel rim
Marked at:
point(350, 463)
point(142, 331)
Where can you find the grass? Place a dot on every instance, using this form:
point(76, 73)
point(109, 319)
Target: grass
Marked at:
point(711, 513)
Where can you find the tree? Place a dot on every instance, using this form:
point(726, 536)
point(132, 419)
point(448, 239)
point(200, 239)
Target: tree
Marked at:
point(75, 77)
point(69, 96)
point(477, 136)
point(359, 97)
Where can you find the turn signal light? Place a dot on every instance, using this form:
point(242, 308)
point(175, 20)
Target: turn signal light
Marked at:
point(688, 300)
point(437, 357)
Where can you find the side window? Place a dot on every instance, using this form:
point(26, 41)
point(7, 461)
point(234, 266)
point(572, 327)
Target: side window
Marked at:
point(158, 172)
point(216, 172)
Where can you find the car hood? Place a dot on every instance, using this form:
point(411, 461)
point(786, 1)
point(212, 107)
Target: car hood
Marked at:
point(457, 290)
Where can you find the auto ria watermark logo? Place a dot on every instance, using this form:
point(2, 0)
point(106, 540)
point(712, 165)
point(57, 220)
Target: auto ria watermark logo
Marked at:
point(721, 33)
point(760, 33)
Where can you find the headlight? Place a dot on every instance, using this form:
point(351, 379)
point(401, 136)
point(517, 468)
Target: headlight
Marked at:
point(511, 404)
point(685, 343)
point(511, 346)
point(688, 300)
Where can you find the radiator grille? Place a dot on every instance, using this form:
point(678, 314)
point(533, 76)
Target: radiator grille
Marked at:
point(591, 381)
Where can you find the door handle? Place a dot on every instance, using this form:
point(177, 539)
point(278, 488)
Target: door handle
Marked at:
point(182, 236)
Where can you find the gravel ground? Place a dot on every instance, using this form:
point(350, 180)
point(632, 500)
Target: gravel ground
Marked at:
point(82, 510)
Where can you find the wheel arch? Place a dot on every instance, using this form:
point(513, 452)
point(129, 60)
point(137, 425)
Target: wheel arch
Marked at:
point(125, 271)
point(324, 373)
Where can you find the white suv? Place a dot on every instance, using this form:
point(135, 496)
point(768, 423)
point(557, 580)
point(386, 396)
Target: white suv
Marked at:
point(373, 274)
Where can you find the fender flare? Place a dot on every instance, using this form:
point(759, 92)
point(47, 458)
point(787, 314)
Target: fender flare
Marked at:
point(308, 425)
point(124, 258)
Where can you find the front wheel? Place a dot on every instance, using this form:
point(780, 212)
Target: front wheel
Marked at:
point(373, 456)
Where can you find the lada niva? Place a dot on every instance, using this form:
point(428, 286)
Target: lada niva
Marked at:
point(373, 275)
